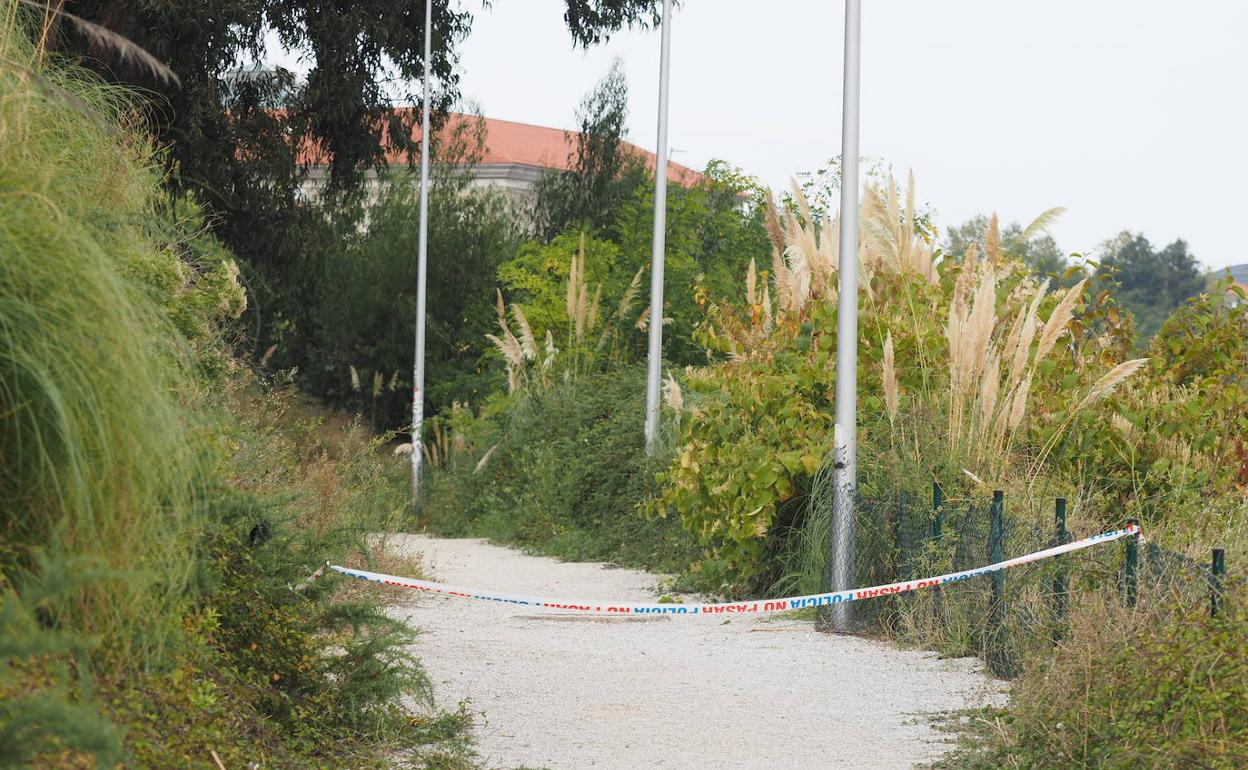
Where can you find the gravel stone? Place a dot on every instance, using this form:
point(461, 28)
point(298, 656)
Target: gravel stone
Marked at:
point(567, 692)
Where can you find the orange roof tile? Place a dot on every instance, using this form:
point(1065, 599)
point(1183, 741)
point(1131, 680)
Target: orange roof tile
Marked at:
point(524, 144)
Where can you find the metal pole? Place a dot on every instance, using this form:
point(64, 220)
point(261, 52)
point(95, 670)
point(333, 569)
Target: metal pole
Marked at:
point(1131, 566)
point(422, 261)
point(655, 359)
point(1059, 579)
point(998, 657)
point(841, 549)
point(938, 521)
point(1217, 570)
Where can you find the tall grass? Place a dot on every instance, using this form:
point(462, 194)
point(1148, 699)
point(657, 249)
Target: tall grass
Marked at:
point(96, 457)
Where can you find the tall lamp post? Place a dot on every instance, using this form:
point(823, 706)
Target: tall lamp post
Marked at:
point(845, 434)
point(422, 263)
point(655, 358)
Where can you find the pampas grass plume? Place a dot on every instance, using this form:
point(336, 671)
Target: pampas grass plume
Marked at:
point(528, 345)
point(1059, 319)
point(892, 398)
point(1110, 380)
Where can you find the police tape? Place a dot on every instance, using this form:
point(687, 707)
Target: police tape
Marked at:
point(784, 604)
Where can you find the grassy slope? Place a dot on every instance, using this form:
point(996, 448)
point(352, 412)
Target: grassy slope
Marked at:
point(160, 503)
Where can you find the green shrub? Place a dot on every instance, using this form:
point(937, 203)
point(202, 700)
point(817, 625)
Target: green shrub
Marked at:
point(363, 311)
point(57, 717)
point(565, 475)
point(266, 672)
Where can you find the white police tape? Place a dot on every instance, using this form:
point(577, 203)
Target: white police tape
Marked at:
point(757, 605)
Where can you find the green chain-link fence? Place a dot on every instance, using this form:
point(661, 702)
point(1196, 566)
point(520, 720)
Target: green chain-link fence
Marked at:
point(1004, 615)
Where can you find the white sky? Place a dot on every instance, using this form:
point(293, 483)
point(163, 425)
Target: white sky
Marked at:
point(1131, 113)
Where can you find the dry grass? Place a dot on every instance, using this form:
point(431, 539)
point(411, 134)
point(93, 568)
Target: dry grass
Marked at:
point(805, 259)
point(890, 233)
point(518, 352)
point(672, 395)
point(1059, 319)
point(102, 39)
point(622, 311)
point(1110, 380)
point(892, 396)
point(446, 442)
point(994, 360)
point(988, 401)
point(1153, 687)
point(582, 312)
point(382, 556)
point(1101, 388)
point(528, 346)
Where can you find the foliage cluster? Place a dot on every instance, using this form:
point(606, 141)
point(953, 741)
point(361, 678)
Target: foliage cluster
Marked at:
point(344, 317)
point(358, 287)
point(570, 330)
point(958, 366)
point(363, 305)
point(1150, 448)
point(606, 200)
point(1152, 283)
point(974, 374)
point(964, 381)
point(100, 460)
point(242, 138)
point(605, 170)
point(558, 469)
point(711, 227)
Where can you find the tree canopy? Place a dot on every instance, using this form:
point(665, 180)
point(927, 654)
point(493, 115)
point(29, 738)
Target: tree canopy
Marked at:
point(240, 140)
point(1153, 283)
point(1037, 250)
point(714, 227)
point(604, 168)
point(364, 58)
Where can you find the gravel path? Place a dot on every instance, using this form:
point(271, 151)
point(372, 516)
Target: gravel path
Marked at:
point(564, 692)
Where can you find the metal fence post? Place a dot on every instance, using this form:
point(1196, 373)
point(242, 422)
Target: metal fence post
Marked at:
point(1060, 586)
point(1131, 566)
point(1216, 570)
point(903, 537)
point(996, 544)
point(938, 521)
point(998, 659)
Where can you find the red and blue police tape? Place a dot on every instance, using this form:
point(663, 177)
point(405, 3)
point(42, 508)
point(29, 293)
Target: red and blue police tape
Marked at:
point(760, 605)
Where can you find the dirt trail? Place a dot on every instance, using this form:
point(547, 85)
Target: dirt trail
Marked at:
point(564, 692)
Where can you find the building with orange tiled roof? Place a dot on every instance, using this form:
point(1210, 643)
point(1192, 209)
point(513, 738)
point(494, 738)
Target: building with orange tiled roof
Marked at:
point(514, 158)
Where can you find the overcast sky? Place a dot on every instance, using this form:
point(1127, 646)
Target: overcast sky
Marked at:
point(1130, 113)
